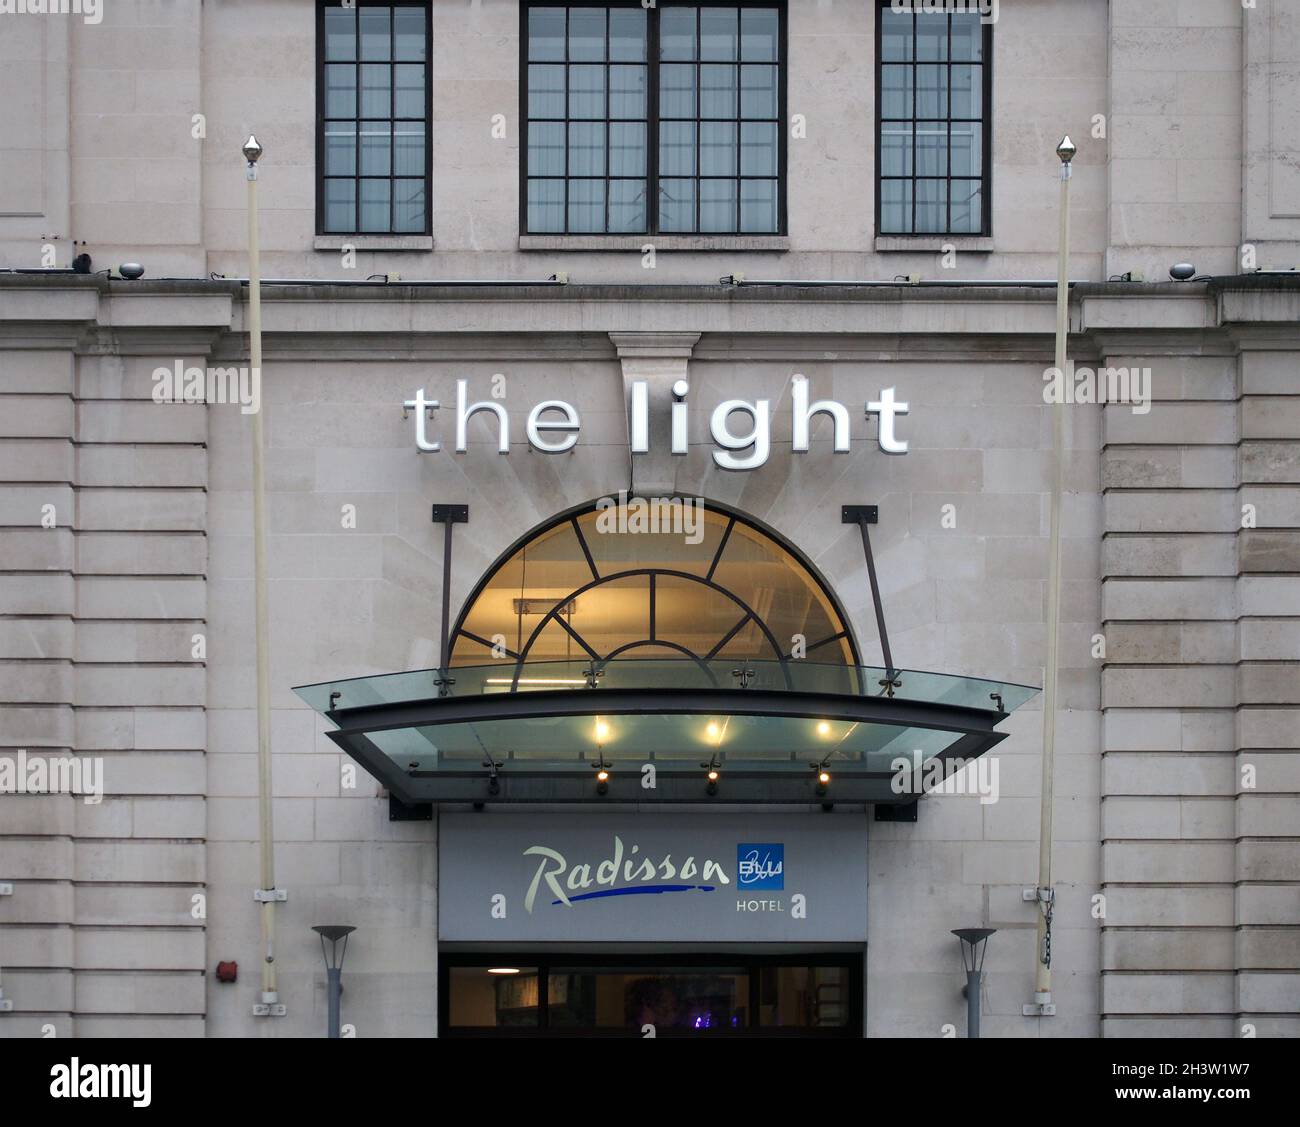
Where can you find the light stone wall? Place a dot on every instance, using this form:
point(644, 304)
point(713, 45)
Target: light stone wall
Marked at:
point(151, 544)
point(1199, 816)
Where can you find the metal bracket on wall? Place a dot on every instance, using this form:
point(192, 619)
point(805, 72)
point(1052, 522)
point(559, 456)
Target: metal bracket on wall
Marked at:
point(272, 1009)
point(270, 895)
point(905, 812)
point(6, 888)
point(399, 811)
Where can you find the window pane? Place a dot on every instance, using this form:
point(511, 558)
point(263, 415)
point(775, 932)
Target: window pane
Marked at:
point(931, 91)
point(408, 149)
point(340, 34)
point(627, 149)
point(717, 205)
point(546, 148)
point(803, 997)
point(895, 36)
point(718, 33)
point(545, 91)
point(677, 205)
point(545, 34)
point(376, 92)
point(341, 91)
point(895, 91)
point(480, 999)
point(627, 206)
point(408, 205)
point(376, 149)
point(374, 205)
point(340, 205)
point(758, 206)
point(896, 206)
point(677, 90)
point(931, 148)
point(627, 91)
point(967, 147)
point(967, 42)
point(627, 34)
point(587, 91)
point(931, 36)
point(967, 91)
point(677, 148)
point(340, 148)
point(931, 205)
point(895, 149)
point(758, 92)
point(717, 148)
point(408, 34)
point(587, 148)
point(758, 149)
point(758, 35)
point(374, 34)
point(717, 90)
point(586, 34)
point(677, 33)
point(587, 205)
point(967, 206)
point(409, 96)
point(545, 206)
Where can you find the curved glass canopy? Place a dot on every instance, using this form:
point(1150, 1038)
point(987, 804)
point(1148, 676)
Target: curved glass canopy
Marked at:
point(768, 730)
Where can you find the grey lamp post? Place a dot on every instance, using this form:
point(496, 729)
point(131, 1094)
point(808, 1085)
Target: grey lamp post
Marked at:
point(974, 943)
point(337, 936)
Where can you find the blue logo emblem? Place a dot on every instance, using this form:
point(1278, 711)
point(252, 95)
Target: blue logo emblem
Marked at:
point(760, 866)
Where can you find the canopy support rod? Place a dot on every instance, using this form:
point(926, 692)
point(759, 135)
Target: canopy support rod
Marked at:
point(447, 516)
point(863, 515)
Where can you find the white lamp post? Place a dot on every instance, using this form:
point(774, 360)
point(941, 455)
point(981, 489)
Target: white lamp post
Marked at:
point(266, 894)
point(1042, 1004)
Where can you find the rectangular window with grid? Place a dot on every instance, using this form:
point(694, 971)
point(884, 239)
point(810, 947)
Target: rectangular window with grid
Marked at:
point(653, 120)
point(372, 142)
point(933, 86)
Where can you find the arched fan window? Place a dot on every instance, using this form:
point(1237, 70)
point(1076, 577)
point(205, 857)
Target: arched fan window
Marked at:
point(597, 583)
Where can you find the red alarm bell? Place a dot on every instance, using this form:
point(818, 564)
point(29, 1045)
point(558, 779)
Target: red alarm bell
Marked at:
point(227, 972)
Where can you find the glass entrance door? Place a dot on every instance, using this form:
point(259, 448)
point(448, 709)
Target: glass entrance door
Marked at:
point(651, 995)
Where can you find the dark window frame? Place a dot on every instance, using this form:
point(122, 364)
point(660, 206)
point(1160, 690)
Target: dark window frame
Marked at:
point(986, 147)
point(748, 962)
point(320, 175)
point(653, 64)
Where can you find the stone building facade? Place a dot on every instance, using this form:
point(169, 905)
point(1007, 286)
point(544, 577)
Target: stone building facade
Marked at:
point(126, 623)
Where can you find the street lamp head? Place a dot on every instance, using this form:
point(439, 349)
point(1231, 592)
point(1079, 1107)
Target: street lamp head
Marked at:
point(1066, 150)
point(333, 933)
point(974, 942)
point(252, 149)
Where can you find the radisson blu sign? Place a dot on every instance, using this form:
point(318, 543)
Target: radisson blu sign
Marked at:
point(527, 877)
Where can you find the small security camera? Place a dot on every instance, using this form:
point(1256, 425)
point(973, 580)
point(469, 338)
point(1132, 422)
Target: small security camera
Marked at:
point(1182, 271)
point(131, 271)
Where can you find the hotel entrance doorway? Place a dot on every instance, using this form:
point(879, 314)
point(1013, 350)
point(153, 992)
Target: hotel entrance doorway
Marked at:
point(660, 995)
